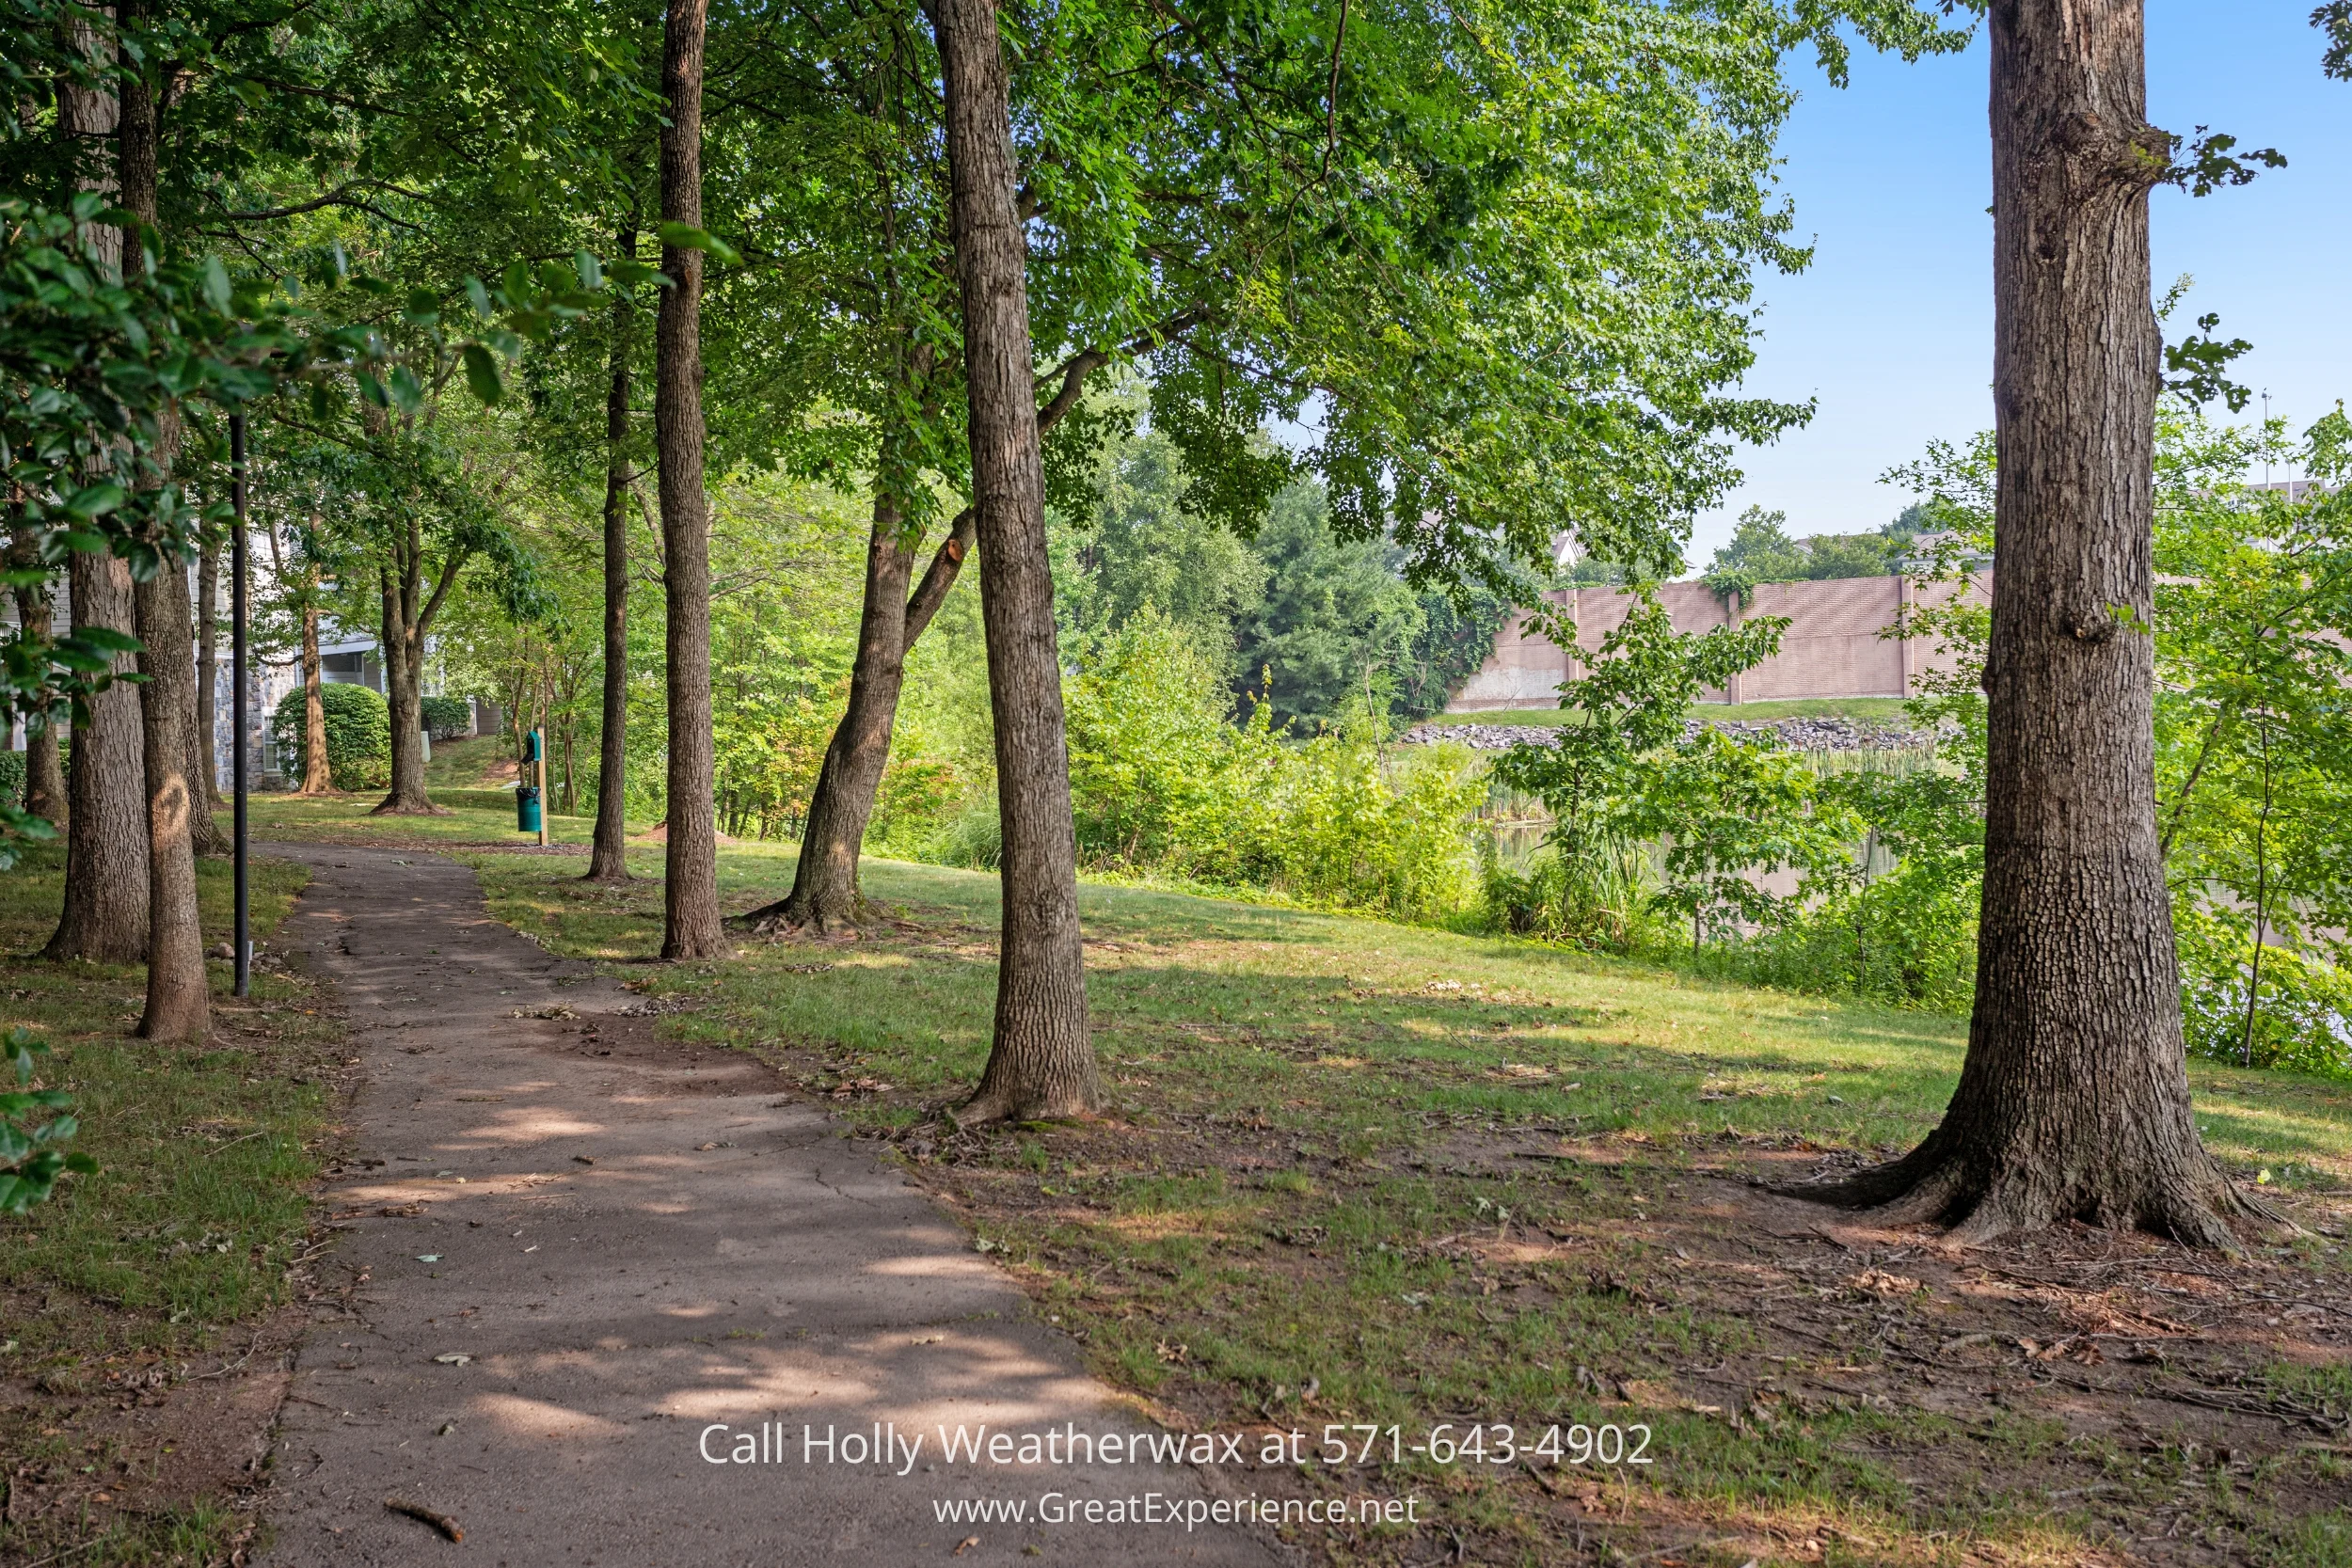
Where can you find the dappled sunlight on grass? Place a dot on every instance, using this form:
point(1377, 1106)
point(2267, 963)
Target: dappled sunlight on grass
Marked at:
point(1356, 1171)
point(1238, 991)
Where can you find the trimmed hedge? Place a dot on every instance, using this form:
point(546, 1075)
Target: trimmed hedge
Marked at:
point(12, 777)
point(446, 718)
point(358, 735)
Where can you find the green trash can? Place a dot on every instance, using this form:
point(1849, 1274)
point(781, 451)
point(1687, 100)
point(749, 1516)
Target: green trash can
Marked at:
point(527, 809)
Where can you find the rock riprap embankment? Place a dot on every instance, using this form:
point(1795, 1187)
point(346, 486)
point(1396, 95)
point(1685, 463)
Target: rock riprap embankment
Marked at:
point(1798, 734)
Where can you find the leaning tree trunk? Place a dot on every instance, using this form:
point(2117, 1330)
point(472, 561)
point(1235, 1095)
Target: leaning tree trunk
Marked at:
point(44, 769)
point(318, 771)
point(2073, 1099)
point(690, 888)
point(608, 855)
point(824, 879)
point(1043, 1060)
point(824, 883)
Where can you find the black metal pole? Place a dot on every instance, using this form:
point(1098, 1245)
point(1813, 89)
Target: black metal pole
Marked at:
point(237, 699)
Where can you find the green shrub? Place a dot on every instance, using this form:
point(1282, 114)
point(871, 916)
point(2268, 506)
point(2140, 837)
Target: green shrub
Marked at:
point(1908, 937)
point(1162, 783)
point(2302, 1016)
point(973, 837)
point(446, 718)
point(12, 778)
point(358, 735)
point(1599, 899)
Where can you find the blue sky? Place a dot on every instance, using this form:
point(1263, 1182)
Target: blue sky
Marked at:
point(1892, 326)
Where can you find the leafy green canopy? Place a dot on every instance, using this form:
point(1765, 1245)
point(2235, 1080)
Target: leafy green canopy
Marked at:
point(1497, 257)
point(2255, 734)
point(1291, 619)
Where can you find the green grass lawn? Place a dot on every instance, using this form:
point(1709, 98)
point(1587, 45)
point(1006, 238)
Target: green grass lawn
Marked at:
point(163, 1265)
point(470, 762)
point(1882, 712)
point(1353, 1171)
point(482, 817)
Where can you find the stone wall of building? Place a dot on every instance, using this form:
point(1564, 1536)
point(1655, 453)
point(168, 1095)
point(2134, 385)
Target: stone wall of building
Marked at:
point(1835, 645)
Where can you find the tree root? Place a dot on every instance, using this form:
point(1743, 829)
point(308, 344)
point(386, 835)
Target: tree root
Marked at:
point(392, 806)
point(785, 917)
point(980, 1110)
point(1977, 1201)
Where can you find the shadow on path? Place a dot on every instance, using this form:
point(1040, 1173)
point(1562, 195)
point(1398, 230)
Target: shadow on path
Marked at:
point(579, 1264)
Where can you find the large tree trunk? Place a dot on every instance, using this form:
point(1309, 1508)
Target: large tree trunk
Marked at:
point(138, 148)
point(44, 769)
point(404, 694)
point(405, 626)
point(2073, 1100)
point(607, 856)
point(178, 991)
point(1042, 1059)
point(105, 855)
point(824, 883)
point(179, 994)
point(105, 918)
point(318, 774)
point(690, 889)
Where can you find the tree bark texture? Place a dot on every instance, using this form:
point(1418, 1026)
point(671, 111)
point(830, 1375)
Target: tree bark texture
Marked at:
point(2073, 1099)
point(105, 918)
point(178, 993)
point(105, 855)
point(1042, 1062)
point(179, 1003)
point(318, 772)
point(690, 888)
point(138, 164)
point(824, 882)
point(44, 768)
point(608, 857)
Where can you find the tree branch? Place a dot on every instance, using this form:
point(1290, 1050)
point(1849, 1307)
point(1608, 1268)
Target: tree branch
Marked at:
point(450, 568)
point(940, 576)
point(1075, 371)
point(333, 197)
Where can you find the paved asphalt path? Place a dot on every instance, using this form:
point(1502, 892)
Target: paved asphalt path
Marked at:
point(574, 1251)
